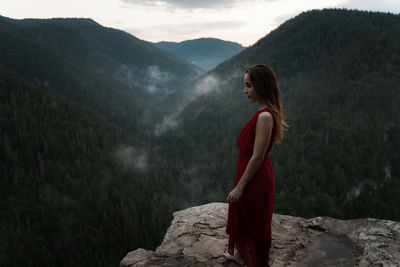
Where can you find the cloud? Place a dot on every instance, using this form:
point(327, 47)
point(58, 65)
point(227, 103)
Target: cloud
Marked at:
point(192, 4)
point(157, 78)
point(386, 5)
point(132, 158)
point(186, 4)
point(184, 28)
point(169, 122)
point(284, 17)
point(211, 82)
point(205, 85)
point(151, 78)
point(127, 75)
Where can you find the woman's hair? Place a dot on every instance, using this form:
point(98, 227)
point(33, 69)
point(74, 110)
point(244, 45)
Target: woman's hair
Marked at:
point(266, 86)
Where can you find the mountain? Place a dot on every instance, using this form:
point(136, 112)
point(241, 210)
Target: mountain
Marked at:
point(79, 176)
point(132, 70)
point(339, 75)
point(205, 53)
point(51, 73)
point(72, 184)
point(83, 181)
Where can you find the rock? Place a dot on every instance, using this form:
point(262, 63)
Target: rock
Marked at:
point(197, 237)
point(135, 257)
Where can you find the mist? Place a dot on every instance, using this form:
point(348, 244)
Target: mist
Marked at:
point(156, 80)
point(132, 158)
point(202, 86)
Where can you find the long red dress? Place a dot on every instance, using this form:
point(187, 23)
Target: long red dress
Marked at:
point(249, 219)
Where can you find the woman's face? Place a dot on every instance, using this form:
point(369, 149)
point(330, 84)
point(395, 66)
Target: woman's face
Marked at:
point(249, 89)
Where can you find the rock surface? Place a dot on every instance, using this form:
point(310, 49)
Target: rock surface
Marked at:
point(197, 237)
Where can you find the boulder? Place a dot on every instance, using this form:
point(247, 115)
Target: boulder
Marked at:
point(197, 237)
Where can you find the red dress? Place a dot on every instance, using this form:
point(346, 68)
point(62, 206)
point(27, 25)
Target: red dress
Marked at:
point(249, 219)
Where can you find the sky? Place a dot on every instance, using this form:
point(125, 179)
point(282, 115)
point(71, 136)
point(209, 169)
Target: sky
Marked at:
point(241, 21)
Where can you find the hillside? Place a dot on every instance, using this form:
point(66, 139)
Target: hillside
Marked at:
point(75, 190)
point(129, 67)
point(339, 75)
point(205, 53)
point(80, 176)
point(85, 180)
point(51, 73)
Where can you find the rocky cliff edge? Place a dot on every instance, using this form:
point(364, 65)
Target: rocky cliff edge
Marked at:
point(197, 237)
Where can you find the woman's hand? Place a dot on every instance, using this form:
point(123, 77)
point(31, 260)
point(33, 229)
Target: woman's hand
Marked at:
point(235, 194)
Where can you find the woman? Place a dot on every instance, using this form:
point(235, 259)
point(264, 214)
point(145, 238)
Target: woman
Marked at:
point(251, 202)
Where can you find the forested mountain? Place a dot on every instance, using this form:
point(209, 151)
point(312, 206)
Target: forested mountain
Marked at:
point(83, 182)
point(339, 74)
point(203, 52)
point(52, 73)
point(116, 59)
point(74, 190)
point(80, 182)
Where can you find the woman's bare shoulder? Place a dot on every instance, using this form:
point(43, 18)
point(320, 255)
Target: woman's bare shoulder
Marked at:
point(265, 115)
point(265, 119)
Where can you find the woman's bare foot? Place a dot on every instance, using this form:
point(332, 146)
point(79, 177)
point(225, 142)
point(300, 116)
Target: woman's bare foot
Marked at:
point(235, 257)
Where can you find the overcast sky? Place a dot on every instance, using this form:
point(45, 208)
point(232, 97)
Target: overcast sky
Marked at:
point(242, 21)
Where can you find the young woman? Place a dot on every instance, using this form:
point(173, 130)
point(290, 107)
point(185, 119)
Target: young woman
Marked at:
point(251, 202)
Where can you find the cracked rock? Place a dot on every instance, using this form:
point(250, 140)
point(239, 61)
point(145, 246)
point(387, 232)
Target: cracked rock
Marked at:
point(196, 237)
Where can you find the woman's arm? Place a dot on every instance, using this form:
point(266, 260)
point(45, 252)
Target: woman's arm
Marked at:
point(264, 127)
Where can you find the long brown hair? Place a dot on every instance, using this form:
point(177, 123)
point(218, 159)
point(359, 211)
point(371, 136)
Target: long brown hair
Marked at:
point(266, 86)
